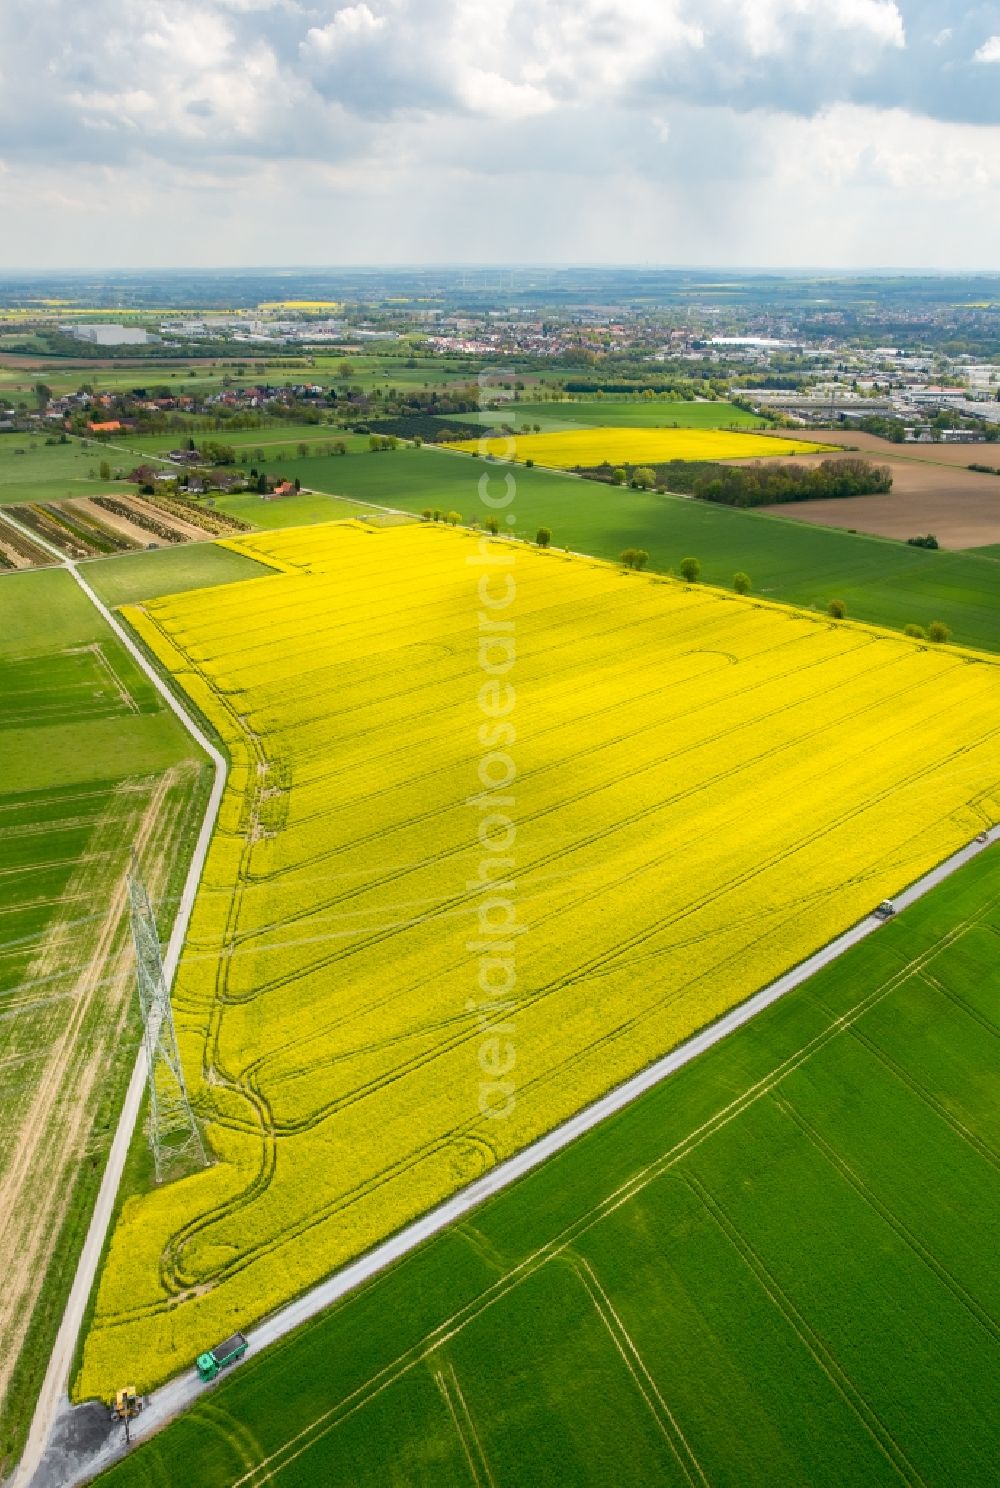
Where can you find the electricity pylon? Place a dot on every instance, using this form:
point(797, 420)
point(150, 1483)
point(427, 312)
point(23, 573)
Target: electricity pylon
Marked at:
point(172, 1125)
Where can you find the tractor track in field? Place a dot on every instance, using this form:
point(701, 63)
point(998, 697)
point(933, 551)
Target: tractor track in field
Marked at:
point(52, 1398)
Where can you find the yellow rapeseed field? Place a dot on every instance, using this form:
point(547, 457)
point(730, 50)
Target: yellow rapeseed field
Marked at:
point(589, 447)
point(502, 827)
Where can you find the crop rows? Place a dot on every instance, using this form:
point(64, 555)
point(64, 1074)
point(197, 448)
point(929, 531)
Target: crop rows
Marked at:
point(707, 789)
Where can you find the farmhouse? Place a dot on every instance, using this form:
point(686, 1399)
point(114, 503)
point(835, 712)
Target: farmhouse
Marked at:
point(283, 488)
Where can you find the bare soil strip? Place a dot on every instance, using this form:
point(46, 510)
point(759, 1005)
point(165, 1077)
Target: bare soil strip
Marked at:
point(45, 1138)
point(13, 558)
point(131, 530)
point(961, 507)
point(959, 456)
point(20, 550)
point(184, 525)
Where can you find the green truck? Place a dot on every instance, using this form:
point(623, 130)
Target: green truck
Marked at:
point(210, 1363)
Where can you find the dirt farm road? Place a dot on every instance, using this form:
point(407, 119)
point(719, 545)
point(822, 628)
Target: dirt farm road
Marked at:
point(52, 1398)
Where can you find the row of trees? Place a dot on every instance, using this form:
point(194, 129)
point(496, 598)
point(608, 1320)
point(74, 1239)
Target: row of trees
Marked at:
point(763, 485)
point(937, 630)
point(690, 572)
point(435, 514)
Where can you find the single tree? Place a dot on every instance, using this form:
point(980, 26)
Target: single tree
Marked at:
point(438, 514)
point(543, 537)
point(644, 478)
point(690, 570)
point(303, 451)
point(426, 513)
point(618, 476)
point(454, 518)
point(938, 631)
point(492, 525)
point(837, 609)
point(741, 582)
point(105, 470)
point(916, 631)
point(640, 558)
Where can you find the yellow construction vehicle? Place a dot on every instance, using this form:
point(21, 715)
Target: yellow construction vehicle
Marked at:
point(127, 1405)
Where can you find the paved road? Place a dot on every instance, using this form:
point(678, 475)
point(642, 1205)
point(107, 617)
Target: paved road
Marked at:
point(52, 1398)
point(78, 1456)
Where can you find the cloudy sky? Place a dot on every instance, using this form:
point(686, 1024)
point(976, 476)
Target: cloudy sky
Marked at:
point(232, 132)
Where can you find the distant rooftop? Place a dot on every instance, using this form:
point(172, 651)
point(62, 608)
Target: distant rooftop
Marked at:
point(109, 334)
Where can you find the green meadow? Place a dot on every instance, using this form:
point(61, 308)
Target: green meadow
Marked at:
point(191, 373)
point(131, 577)
point(750, 1276)
point(275, 441)
point(31, 470)
point(637, 413)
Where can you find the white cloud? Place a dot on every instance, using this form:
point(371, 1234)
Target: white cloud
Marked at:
point(758, 130)
point(772, 27)
point(351, 24)
point(989, 51)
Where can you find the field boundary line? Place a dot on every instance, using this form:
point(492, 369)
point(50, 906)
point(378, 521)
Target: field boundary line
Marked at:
point(55, 1384)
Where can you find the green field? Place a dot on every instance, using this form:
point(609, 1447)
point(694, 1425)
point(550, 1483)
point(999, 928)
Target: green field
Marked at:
point(629, 413)
point(275, 440)
point(881, 581)
point(292, 511)
point(31, 470)
point(94, 765)
point(237, 368)
point(136, 576)
point(776, 1268)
